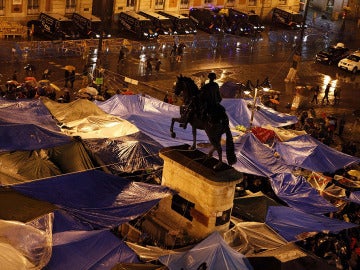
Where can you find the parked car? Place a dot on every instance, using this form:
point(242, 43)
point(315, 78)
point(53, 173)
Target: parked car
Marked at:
point(351, 63)
point(332, 54)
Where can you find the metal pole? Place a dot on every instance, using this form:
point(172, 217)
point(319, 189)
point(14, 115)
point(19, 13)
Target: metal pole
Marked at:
point(253, 108)
point(299, 49)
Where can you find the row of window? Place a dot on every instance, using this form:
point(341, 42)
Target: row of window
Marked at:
point(159, 4)
point(35, 4)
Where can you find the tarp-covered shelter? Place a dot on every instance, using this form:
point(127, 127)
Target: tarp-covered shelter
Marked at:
point(306, 152)
point(294, 225)
point(97, 249)
point(299, 194)
point(96, 198)
point(127, 154)
point(253, 207)
point(213, 252)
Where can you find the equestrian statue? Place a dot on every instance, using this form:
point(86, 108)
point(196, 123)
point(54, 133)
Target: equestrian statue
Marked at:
point(202, 110)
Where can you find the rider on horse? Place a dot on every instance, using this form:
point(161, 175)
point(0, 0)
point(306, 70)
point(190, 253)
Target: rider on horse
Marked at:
point(210, 99)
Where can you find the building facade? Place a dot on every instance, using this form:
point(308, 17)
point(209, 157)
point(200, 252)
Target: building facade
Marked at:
point(25, 10)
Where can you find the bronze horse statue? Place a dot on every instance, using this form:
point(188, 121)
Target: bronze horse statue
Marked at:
point(190, 112)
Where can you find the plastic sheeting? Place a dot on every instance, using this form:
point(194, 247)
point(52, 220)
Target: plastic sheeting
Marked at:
point(29, 137)
point(308, 153)
point(299, 194)
point(22, 166)
point(250, 238)
point(294, 225)
point(96, 198)
point(254, 157)
point(85, 250)
point(24, 246)
point(27, 112)
point(212, 251)
point(153, 117)
point(252, 207)
point(132, 153)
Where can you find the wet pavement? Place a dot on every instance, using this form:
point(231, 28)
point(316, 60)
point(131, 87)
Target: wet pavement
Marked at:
point(237, 59)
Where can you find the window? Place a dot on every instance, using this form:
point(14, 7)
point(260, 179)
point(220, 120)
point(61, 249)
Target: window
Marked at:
point(184, 4)
point(207, 2)
point(130, 3)
point(230, 3)
point(282, 2)
point(252, 3)
point(33, 6)
point(159, 4)
point(70, 6)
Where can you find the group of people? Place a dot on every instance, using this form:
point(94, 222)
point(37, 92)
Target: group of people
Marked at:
point(177, 51)
point(316, 92)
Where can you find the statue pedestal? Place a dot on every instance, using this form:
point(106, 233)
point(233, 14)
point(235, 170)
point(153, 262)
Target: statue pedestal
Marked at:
point(205, 197)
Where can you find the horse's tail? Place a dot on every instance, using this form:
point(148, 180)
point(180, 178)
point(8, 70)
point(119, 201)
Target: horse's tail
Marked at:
point(230, 147)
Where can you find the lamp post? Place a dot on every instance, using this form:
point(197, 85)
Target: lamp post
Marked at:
point(264, 86)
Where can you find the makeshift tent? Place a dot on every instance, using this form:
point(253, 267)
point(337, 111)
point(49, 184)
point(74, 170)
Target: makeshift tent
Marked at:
point(29, 137)
point(128, 154)
point(22, 166)
point(23, 246)
point(96, 198)
point(254, 157)
point(250, 238)
point(288, 257)
point(294, 225)
point(230, 89)
point(239, 112)
point(253, 207)
point(299, 194)
point(99, 249)
point(212, 252)
point(27, 112)
point(308, 153)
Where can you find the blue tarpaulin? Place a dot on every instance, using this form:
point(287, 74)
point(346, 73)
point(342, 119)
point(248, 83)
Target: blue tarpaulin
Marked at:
point(24, 137)
point(213, 252)
point(291, 224)
point(299, 194)
point(306, 152)
point(256, 158)
point(96, 198)
point(85, 250)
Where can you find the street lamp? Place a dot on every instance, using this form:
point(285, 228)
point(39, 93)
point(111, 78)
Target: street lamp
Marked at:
point(265, 86)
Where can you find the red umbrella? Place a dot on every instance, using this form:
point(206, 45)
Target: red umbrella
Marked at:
point(30, 79)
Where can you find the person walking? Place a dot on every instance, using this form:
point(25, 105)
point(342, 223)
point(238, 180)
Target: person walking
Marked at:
point(316, 90)
point(337, 93)
point(66, 77)
point(326, 94)
point(174, 49)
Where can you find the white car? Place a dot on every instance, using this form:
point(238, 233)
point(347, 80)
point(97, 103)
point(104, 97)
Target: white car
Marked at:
point(351, 63)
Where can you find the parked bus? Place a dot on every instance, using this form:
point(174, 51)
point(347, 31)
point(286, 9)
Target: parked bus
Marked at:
point(163, 24)
point(54, 26)
point(137, 24)
point(182, 25)
point(208, 20)
point(89, 26)
point(245, 22)
point(287, 18)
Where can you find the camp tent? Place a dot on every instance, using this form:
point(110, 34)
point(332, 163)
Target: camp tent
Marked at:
point(213, 252)
point(306, 152)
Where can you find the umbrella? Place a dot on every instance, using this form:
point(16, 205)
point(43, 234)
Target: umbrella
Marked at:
point(13, 82)
point(89, 90)
point(44, 82)
point(55, 87)
point(274, 101)
point(30, 79)
point(70, 68)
